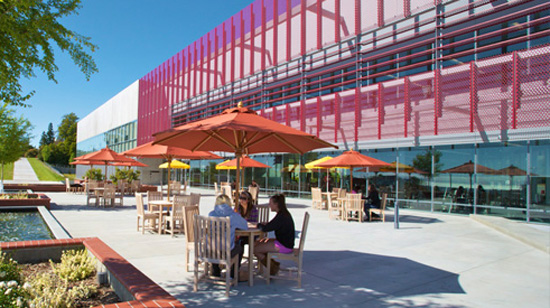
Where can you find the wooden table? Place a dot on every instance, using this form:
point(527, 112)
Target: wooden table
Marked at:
point(161, 204)
point(251, 233)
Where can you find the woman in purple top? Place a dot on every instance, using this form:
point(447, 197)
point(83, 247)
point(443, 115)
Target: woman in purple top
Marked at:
point(246, 207)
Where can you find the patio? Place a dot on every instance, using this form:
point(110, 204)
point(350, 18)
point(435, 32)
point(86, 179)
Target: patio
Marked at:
point(432, 260)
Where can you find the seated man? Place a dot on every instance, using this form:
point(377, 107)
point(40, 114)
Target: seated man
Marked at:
point(236, 221)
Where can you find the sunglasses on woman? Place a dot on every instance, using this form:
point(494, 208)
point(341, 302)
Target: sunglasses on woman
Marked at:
point(243, 198)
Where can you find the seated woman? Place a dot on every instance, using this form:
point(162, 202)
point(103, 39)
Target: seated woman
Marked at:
point(283, 225)
point(246, 207)
point(223, 209)
point(373, 200)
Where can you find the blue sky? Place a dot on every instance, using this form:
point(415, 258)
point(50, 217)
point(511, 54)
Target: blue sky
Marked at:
point(134, 37)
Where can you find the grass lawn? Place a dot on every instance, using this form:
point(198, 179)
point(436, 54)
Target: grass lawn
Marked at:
point(43, 172)
point(8, 171)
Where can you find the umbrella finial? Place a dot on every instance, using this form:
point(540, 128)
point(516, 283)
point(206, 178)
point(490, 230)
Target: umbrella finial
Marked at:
point(240, 104)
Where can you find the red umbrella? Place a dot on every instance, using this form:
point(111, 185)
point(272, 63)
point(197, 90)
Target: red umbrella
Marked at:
point(135, 163)
point(104, 156)
point(352, 159)
point(241, 131)
point(512, 171)
point(150, 150)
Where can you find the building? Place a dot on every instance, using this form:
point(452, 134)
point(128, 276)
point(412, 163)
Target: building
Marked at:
point(429, 83)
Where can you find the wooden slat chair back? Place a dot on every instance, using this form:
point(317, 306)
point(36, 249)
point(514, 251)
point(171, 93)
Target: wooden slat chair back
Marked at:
point(109, 194)
point(176, 219)
point(317, 201)
point(154, 196)
point(68, 187)
point(175, 188)
point(216, 189)
point(263, 213)
point(184, 200)
point(380, 211)
point(354, 207)
point(91, 194)
point(226, 190)
point(213, 246)
point(336, 190)
point(296, 256)
point(195, 199)
point(122, 186)
point(143, 216)
point(335, 208)
point(189, 213)
point(254, 192)
point(135, 186)
point(342, 192)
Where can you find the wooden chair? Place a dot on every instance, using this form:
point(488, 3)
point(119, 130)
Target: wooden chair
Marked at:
point(380, 211)
point(254, 192)
point(153, 196)
point(110, 196)
point(216, 189)
point(185, 200)
point(122, 186)
point(296, 256)
point(135, 186)
point(68, 187)
point(189, 213)
point(195, 199)
point(213, 246)
point(317, 199)
point(176, 217)
point(175, 188)
point(144, 217)
point(91, 193)
point(353, 207)
point(226, 190)
point(263, 213)
point(335, 207)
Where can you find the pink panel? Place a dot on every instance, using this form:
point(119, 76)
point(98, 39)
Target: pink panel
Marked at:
point(421, 97)
point(295, 37)
point(369, 15)
point(392, 125)
point(328, 22)
point(311, 27)
point(455, 84)
point(347, 20)
point(368, 129)
point(420, 5)
point(534, 88)
point(393, 10)
point(346, 132)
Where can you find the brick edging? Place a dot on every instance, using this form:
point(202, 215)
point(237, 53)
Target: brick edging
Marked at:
point(147, 293)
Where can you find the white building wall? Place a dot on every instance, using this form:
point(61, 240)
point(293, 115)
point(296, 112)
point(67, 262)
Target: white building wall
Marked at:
point(119, 110)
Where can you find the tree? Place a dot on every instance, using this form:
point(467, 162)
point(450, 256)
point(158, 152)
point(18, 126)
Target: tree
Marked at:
point(424, 162)
point(27, 30)
point(48, 137)
point(14, 138)
point(67, 135)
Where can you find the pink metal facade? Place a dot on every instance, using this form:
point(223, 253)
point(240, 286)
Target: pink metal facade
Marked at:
point(352, 71)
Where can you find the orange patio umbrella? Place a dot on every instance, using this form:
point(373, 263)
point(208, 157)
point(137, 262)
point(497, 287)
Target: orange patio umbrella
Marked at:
point(241, 131)
point(352, 159)
point(105, 157)
point(150, 150)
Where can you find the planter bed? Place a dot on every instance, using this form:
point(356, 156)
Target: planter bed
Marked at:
point(34, 199)
point(130, 284)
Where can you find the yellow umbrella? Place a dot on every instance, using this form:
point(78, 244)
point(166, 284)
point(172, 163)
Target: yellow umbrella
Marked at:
point(175, 164)
point(221, 166)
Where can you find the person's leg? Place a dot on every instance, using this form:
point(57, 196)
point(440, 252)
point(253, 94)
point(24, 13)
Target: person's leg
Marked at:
point(262, 248)
point(237, 250)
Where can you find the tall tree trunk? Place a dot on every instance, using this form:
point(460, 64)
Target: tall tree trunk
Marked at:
point(2, 183)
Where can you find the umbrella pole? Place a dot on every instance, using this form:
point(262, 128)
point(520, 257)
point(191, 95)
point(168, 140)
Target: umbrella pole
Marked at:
point(105, 178)
point(169, 181)
point(351, 179)
point(237, 184)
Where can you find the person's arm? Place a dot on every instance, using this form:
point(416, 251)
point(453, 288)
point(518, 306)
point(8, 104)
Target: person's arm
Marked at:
point(274, 224)
point(240, 222)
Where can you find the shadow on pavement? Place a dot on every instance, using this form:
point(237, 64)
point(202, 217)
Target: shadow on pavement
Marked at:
point(334, 279)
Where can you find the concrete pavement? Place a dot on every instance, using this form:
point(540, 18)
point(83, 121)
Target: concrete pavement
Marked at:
point(23, 172)
point(433, 260)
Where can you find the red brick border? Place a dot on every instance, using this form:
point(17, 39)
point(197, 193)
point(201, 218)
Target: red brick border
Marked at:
point(42, 200)
point(147, 293)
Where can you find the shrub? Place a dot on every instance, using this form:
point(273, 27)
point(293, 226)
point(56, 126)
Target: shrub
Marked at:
point(94, 174)
point(75, 265)
point(8, 269)
point(125, 174)
point(48, 291)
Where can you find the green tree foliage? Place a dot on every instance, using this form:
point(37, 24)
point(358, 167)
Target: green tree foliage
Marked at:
point(94, 174)
point(48, 137)
point(29, 30)
point(63, 150)
point(67, 135)
point(14, 137)
point(424, 162)
point(125, 174)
